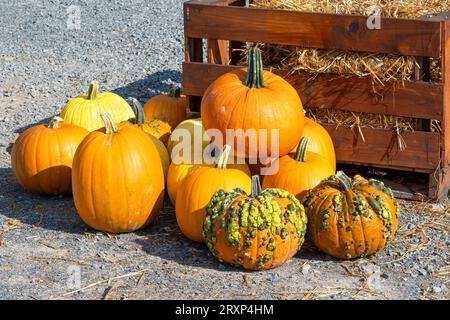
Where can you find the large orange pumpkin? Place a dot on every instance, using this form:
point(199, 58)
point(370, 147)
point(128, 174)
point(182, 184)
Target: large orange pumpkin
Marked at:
point(117, 178)
point(349, 218)
point(197, 189)
point(299, 172)
point(169, 107)
point(257, 231)
point(42, 156)
point(256, 100)
point(319, 141)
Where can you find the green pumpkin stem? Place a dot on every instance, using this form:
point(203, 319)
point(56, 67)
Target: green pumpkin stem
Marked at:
point(174, 92)
point(300, 155)
point(344, 181)
point(93, 90)
point(256, 186)
point(109, 123)
point(255, 69)
point(54, 122)
point(223, 159)
point(138, 110)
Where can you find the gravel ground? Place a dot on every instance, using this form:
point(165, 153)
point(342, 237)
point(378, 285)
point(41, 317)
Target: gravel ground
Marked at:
point(135, 48)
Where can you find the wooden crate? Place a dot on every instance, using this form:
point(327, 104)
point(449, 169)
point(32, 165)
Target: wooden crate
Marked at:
point(221, 26)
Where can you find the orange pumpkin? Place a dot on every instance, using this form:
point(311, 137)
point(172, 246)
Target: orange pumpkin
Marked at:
point(299, 172)
point(148, 128)
point(260, 231)
point(117, 178)
point(319, 141)
point(197, 189)
point(170, 108)
point(254, 100)
point(42, 156)
point(159, 129)
point(349, 218)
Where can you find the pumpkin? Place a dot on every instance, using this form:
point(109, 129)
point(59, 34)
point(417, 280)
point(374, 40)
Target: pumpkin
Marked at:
point(159, 129)
point(117, 178)
point(42, 156)
point(147, 127)
point(349, 218)
point(319, 141)
point(169, 107)
point(191, 133)
point(179, 168)
point(299, 172)
point(254, 100)
point(197, 189)
point(85, 110)
point(258, 231)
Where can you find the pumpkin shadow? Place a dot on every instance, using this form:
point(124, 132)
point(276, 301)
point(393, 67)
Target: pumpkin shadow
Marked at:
point(156, 83)
point(42, 121)
point(47, 212)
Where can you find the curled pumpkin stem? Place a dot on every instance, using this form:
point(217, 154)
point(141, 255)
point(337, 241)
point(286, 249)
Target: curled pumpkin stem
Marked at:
point(54, 122)
point(109, 123)
point(138, 110)
point(223, 159)
point(344, 181)
point(300, 155)
point(93, 90)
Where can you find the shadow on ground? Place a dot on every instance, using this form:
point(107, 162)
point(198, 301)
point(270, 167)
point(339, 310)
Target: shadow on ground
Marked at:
point(53, 213)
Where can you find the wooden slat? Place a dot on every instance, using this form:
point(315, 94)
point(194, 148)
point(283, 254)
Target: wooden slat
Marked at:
point(422, 152)
point(315, 30)
point(414, 99)
point(218, 51)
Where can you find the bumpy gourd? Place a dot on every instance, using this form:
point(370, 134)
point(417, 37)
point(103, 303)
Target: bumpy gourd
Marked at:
point(349, 218)
point(260, 231)
point(85, 110)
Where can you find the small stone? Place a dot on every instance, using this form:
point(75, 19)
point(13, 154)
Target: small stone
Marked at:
point(422, 272)
point(437, 289)
point(305, 269)
point(275, 277)
point(384, 275)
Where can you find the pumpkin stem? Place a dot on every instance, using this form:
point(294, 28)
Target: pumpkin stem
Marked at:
point(255, 69)
point(93, 90)
point(54, 123)
point(174, 92)
point(138, 110)
point(223, 159)
point(344, 181)
point(256, 186)
point(300, 155)
point(109, 123)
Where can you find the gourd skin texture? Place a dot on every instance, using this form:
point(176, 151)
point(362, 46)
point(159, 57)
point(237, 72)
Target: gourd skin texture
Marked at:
point(256, 233)
point(351, 219)
point(118, 180)
point(42, 156)
point(229, 103)
point(298, 176)
point(170, 108)
point(319, 141)
point(85, 112)
point(195, 192)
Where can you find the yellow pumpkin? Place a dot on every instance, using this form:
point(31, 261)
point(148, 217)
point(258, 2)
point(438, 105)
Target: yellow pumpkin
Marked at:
point(85, 110)
point(191, 129)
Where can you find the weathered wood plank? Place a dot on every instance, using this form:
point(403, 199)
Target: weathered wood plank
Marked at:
point(414, 99)
point(422, 152)
point(315, 30)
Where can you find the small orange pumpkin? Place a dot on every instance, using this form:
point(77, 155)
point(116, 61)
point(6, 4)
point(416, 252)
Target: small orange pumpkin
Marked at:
point(300, 172)
point(117, 178)
point(349, 218)
point(320, 141)
point(170, 108)
point(258, 231)
point(197, 189)
point(42, 156)
point(254, 100)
